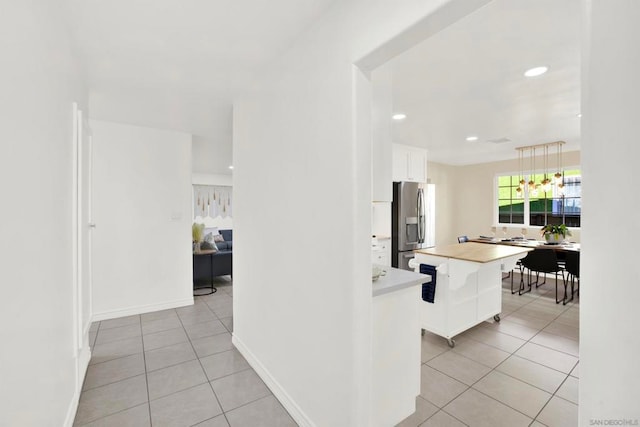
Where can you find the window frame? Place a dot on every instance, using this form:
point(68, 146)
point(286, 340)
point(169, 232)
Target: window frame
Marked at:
point(527, 203)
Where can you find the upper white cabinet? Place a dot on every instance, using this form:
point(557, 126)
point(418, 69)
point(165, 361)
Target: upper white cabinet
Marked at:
point(409, 163)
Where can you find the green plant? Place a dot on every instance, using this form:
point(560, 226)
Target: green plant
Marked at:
point(556, 230)
point(197, 231)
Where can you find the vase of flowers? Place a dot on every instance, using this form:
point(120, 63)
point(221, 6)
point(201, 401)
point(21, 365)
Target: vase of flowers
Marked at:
point(555, 234)
point(197, 233)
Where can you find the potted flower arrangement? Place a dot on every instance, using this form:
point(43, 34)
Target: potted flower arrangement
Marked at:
point(197, 231)
point(555, 233)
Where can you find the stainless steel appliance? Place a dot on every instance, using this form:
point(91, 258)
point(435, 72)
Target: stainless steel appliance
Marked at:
point(408, 222)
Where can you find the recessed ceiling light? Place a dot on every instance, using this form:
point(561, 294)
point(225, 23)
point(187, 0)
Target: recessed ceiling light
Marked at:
point(537, 71)
point(231, 167)
point(472, 138)
point(399, 116)
point(579, 115)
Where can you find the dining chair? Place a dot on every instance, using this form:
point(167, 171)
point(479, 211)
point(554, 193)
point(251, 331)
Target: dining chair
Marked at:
point(572, 266)
point(540, 261)
point(462, 239)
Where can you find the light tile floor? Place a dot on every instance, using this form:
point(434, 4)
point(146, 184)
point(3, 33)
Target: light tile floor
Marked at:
point(179, 368)
point(175, 368)
point(522, 371)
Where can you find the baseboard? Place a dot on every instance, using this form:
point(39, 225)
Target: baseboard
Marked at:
point(130, 311)
point(289, 404)
point(82, 362)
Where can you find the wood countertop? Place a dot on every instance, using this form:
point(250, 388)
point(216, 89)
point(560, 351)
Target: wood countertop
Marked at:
point(474, 252)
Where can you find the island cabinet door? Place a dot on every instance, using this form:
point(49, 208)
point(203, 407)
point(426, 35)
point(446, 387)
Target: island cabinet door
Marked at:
point(463, 296)
point(489, 290)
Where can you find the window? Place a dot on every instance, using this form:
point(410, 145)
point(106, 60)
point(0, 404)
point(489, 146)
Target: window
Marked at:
point(537, 208)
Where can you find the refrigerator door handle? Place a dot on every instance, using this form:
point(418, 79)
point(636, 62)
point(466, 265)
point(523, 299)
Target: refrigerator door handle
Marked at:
point(421, 223)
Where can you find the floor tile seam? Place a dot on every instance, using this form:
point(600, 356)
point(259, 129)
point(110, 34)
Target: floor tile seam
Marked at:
point(227, 375)
point(119, 326)
point(205, 374)
point(113, 382)
point(115, 358)
point(562, 398)
point(146, 376)
point(164, 317)
point(498, 348)
point(561, 336)
point(254, 401)
point(207, 336)
point(560, 386)
point(172, 365)
point(514, 336)
point(159, 331)
point(111, 414)
point(525, 382)
point(422, 424)
point(549, 319)
point(505, 404)
point(519, 380)
point(538, 363)
point(554, 349)
point(443, 373)
point(179, 391)
point(119, 339)
point(481, 363)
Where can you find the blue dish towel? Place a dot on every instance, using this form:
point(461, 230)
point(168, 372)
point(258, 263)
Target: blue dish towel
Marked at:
point(429, 289)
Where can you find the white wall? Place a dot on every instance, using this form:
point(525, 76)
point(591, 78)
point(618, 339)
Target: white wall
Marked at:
point(142, 210)
point(302, 308)
point(38, 82)
point(609, 294)
point(465, 199)
point(211, 155)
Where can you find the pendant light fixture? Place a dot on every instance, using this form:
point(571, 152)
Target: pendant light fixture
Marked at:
point(546, 183)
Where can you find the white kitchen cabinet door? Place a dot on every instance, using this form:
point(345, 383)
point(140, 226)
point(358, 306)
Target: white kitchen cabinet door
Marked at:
point(409, 163)
point(417, 165)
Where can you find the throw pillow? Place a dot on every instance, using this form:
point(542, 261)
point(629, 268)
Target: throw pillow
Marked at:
point(208, 246)
point(208, 237)
point(218, 238)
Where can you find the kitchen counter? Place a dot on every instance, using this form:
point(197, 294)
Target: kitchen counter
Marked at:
point(474, 252)
point(396, 280)
point(396, 345)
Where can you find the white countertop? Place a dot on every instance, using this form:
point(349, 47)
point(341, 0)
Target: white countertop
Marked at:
point(397, 279)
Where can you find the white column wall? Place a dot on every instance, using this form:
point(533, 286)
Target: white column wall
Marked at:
point(142, 211)
point(302, 289)
point(39, 81)
point(609, 291)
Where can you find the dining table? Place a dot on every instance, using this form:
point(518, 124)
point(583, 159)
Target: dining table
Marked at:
point(529, 243)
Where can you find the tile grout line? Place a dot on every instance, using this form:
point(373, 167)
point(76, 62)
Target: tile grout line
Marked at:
point(204, 370)
point(510, 354)
point(146, 375)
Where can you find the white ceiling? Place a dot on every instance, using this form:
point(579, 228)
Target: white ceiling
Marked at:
point(468, 80)
point(177, 64)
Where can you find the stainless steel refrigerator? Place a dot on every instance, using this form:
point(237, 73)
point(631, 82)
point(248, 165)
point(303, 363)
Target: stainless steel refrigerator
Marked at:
point(408, 222)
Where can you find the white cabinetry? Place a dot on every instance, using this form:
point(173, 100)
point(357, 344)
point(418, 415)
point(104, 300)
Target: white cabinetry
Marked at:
point(381, 251)
point(409, 163)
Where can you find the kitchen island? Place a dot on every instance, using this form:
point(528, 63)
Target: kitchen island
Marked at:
point(396, 345)
point(468, 285)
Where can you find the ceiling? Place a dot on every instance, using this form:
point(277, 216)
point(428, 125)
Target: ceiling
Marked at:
point(177, 64)
point(468, 80)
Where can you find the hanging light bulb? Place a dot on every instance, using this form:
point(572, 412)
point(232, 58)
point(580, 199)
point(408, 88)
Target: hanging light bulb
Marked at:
point(531, 183)
point(558, 176)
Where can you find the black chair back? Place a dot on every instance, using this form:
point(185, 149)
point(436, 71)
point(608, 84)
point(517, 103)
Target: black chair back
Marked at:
point(462, 239)
point(573, 263)
point(542, 260)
